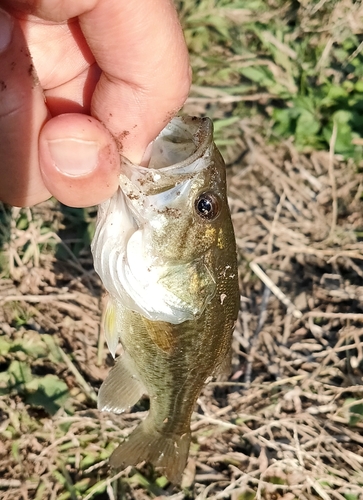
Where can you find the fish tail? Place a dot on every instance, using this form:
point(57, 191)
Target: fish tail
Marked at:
point(167, 451)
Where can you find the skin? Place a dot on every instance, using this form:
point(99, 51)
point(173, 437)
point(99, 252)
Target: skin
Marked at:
point(82, 81)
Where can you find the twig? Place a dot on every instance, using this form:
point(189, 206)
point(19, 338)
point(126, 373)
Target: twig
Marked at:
point(97, 488)
point(81, 381)
point(332, 180)
point(245, 321)
point(203, 419)
point(353, 55)
point(16, 483)
point(274, 222)
point(354, 266)
point(333, 315)
point(100, 346)
point(229, 98)
point(318, 488)
point(291, 308)
point(101, 339)
point(96, 466)
point(261, 322)
point(69, 483)
point(328, 252)
point(33, 299)
point(56, 443)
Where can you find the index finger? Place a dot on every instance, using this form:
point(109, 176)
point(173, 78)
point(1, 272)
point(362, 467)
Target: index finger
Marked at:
point(141, 50)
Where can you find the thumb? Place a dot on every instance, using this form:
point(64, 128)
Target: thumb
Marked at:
point(79, 161)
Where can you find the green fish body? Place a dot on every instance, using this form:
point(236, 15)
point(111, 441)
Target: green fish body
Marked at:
point(165, 250)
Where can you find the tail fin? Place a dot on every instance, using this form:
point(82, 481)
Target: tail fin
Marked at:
point(169, 452)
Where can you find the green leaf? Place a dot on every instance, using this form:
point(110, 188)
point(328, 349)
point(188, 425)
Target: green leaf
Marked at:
point(247, 495)
point(225, 122)
point(356, 414)
point(88, 460)
point(307, 127)
point(283, 121)
point(4, 346)
point(15, 450)
point(334, 93)
point(161, 481)
point(276, 480)
point(54, 353)
point(31, 344)
point(257, 74)
point(83, 484)
point(359, 86)
point(343, 143)
point(49, 392)
point(20, 373)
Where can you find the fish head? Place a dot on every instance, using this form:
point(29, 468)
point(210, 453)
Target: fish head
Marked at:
point(156, 238)
point(179, 201)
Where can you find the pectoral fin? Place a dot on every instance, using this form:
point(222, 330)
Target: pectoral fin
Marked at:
point(162, 334)
point(122, 388)
point(109, 323)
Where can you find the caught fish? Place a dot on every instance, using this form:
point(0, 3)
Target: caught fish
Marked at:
point(165, 250)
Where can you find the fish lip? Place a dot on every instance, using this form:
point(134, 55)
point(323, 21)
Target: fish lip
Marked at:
point(201, 136)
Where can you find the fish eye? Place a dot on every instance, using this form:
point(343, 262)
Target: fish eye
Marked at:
point(207, 205)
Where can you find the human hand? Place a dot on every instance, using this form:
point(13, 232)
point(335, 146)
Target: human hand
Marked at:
point(82, 81)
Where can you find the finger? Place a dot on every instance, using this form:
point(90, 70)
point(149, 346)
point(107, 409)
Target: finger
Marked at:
point(136, 98)
point(141, 50)
point(22, 114)
point(79, 160)
point(65, 65)
point(73, 96)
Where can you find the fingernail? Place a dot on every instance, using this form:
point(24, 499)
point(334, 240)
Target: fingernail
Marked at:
point(74, 156)
point(6, 30)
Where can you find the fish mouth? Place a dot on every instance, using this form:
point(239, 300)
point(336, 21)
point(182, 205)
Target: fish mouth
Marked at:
point(182, 149)
point(180, 143)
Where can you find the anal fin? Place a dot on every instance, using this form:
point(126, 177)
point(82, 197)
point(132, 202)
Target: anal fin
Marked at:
point(122, 388)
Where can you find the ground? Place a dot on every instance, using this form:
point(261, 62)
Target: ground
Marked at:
point(288, 424)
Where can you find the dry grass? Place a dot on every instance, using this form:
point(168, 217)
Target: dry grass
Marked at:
point(289, 423)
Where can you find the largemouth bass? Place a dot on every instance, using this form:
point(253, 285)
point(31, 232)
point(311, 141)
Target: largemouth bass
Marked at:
point(165, 250)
